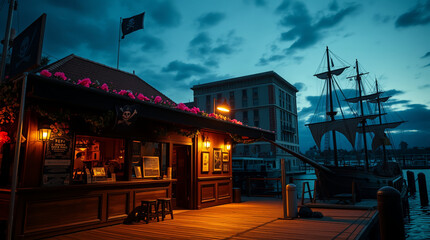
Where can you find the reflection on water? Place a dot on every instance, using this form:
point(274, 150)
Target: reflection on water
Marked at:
point(419, 225)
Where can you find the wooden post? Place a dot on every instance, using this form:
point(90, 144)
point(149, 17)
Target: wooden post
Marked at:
point(390, 214)
point(423, 189)
point(283, 186)
point(411, 182)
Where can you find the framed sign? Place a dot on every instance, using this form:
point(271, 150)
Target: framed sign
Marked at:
point(151, 167)
point(137, 172)
point(225, 157)
point(225, 167)
point(58, 160)
point(99, 172)
point(217, 160)
point(205, 162)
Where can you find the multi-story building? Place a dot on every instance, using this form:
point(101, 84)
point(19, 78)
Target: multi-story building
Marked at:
point(264, 100)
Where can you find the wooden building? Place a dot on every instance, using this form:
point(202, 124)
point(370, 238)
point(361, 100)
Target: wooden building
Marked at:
point(106, 152)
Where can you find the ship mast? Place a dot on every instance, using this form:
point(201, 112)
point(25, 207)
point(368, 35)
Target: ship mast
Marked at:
point(363, 123)
point(331, 113)
point(380, 122)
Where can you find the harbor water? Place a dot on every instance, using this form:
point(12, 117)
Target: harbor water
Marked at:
point(417, 225)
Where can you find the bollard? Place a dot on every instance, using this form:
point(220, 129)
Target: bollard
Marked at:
point(390, 214)
point(291, 201)
point(423, 189)
point(411, 182)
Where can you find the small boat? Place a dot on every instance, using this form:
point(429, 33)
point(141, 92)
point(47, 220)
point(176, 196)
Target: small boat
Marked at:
point(357, 125)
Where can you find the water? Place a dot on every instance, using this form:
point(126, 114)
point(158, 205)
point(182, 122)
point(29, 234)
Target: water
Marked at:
point(417, 226)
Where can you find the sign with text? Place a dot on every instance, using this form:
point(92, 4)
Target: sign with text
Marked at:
point(58, 160)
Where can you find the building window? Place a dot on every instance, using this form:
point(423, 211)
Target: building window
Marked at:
point(98, 157)
point(231, 100)
point(244, 98)
point(246, 150)
point(245, 117)
point(256, 118)
point(208, 104)
point(219, 98)
point(255, 96)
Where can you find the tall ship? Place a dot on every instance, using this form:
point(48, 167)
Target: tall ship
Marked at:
point(359, 120)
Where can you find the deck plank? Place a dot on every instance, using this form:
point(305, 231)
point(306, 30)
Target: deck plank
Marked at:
point(257, 218)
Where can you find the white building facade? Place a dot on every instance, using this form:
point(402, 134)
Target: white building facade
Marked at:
point(264, 100)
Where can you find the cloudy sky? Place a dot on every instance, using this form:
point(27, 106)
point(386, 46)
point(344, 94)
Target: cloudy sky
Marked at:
point(192, 42)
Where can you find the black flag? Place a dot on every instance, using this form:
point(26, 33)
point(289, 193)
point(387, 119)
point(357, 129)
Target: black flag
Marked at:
point(132, 24)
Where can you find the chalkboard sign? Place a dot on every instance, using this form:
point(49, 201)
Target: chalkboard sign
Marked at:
point(151, 167)
point(58, 160)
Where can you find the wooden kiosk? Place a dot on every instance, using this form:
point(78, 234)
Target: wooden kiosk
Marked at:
point(105, 153)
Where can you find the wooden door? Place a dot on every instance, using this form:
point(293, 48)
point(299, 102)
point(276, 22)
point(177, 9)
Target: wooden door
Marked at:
point(182, 158)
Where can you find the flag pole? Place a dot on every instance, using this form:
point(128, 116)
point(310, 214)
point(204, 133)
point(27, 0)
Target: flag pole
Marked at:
point(6, 40)
point(119, 42)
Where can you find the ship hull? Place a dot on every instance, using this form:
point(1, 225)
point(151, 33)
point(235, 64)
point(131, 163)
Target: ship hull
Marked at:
point(366, 183)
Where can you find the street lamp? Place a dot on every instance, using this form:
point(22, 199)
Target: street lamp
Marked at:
point(223, 107)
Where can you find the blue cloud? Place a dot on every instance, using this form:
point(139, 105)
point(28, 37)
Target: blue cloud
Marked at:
point(419, 15)
point(202, 47)
point(333, 6)
point(303, 32)
point(210, 19)
point(283, 6)
point(165, 14)
point(274, 58)
point(184, 70)
point(300, 86)
point(426, 55)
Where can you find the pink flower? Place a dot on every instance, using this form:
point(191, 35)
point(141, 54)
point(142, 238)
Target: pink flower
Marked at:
point(235, 121)
point(86, 82)
point(183, 107)
point(130, 95)
point(141, 97)
point(105, 87)
point(60, 75)
point(45, 73)
point(4, 138)
point(123, 92)
point(212, 115)
point(157, 99)
point(195, 110)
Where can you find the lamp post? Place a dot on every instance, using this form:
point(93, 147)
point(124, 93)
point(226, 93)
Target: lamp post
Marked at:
point(223, 107)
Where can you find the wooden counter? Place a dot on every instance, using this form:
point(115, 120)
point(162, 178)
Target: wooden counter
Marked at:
point(46, 211)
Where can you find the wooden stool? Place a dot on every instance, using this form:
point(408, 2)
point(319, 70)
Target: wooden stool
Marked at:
point(166, 207)
point(149, 209)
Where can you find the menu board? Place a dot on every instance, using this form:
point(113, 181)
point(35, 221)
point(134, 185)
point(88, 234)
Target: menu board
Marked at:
point(58, 159)
point(151, 167)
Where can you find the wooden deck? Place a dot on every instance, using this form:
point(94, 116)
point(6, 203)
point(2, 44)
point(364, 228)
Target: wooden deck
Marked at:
point(255, 218)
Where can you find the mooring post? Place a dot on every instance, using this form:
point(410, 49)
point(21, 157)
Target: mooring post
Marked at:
point(423, 189)
point(390, 214)
point(411, 182)
point(284, 186)
point(291, 201)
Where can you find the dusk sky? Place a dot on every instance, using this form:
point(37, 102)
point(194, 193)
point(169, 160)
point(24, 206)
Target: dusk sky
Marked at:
point(192, 42)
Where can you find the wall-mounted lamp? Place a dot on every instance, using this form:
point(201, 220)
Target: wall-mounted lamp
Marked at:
point(44, 134)
point(206, 142)
point(227, 145)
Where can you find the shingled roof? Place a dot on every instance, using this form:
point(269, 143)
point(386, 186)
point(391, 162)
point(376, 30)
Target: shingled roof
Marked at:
point(76, 68)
